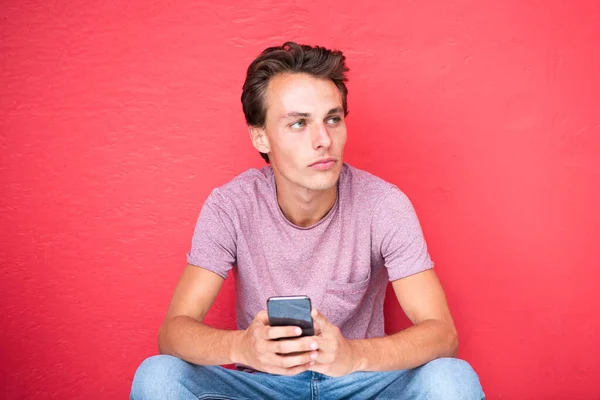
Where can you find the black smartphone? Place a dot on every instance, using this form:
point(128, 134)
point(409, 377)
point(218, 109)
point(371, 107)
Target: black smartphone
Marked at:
point(291, 311)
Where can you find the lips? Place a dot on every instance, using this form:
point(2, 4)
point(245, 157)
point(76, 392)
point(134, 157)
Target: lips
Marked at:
point(323, 164)
point(323, 161)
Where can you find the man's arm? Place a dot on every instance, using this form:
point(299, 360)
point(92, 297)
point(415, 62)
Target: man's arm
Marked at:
point(183, 334)
point(433, 335)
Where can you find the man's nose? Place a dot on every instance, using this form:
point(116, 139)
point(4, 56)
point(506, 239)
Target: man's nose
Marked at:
point(322, 139)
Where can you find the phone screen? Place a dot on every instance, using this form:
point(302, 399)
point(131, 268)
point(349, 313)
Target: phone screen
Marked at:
point(291, 311)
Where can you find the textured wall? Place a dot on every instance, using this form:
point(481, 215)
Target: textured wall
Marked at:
point(118, 118)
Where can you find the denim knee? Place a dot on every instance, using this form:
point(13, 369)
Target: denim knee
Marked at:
point(157, 378)
point(449, 378)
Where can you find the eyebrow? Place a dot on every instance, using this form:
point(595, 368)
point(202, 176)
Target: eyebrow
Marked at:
point(297, 114)
point(337, 110)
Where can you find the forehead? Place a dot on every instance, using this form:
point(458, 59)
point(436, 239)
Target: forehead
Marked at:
point(302, 93)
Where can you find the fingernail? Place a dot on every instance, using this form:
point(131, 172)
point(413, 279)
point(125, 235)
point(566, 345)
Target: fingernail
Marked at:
point(312, 363)
point(313, 356)
point(313, 346)
point(298, 331)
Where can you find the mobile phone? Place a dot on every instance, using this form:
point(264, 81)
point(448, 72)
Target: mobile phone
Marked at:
point(291, 311)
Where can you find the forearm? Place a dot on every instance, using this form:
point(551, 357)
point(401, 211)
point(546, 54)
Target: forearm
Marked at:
point(197, 343)
point(409, 348)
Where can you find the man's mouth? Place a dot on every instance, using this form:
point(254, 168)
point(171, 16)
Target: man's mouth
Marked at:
point(324, 164)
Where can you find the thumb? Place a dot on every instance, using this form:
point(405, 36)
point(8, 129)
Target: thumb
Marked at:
point(321, 321)
point(262, 317)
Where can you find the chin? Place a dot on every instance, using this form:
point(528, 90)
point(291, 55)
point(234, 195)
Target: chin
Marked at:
point(320, 186)
point(323, 182)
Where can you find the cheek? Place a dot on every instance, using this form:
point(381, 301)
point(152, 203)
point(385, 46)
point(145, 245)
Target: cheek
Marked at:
point(288, 151)
point(290, 146)
point(341, 137)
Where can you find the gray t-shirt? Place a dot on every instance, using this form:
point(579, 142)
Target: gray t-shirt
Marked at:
point(342, 263)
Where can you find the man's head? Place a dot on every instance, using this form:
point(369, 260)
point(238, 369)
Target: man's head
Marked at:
point(294, 101)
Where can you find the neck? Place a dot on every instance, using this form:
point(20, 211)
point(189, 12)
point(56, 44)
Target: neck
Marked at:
point(304, 207)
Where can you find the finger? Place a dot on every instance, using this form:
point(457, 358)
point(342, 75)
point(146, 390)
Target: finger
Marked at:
point(324, 358)
point(291, 361)
point(277, 332)
point(293, 345)
point(288, 371)
point(324, 324)
point(317, 328)
point(326, 346)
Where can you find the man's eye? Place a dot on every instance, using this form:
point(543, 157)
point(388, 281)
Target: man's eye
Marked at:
point(333, 120)
point(298, 124)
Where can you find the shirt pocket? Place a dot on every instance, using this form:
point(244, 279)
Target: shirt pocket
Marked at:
point(343, 299)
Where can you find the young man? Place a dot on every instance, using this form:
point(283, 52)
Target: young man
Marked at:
point(307, 224)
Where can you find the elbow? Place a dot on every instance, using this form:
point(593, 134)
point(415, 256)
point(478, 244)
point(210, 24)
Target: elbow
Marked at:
point(452, 342)
point(163, 347)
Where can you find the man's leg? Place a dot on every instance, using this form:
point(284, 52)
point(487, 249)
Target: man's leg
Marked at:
point(166, 377)
point(441, 379)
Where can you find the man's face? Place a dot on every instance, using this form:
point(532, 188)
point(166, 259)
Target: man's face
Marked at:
point(305, 131)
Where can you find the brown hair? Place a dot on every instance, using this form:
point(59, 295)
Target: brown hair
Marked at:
point(289, 58)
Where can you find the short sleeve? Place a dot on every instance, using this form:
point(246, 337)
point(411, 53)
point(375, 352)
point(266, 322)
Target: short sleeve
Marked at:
point(214, 241)
point(398, 236)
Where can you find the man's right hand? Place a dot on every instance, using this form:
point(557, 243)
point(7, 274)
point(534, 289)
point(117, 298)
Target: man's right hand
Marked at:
point(257, 348)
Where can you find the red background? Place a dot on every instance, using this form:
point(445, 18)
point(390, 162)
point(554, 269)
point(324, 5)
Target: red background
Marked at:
point(118, 118)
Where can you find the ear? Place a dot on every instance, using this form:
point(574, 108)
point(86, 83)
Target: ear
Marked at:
point(259, 138)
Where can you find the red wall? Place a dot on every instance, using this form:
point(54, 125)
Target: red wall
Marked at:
point(118, 118)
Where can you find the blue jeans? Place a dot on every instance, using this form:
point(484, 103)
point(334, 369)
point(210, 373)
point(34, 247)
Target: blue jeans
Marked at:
point(166, 377)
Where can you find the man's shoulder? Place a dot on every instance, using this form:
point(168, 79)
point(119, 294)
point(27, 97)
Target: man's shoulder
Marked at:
point(250, 184)
point(251, 179)
point(364, 185)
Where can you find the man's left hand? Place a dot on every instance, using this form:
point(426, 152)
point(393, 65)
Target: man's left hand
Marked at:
point(336, 355)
